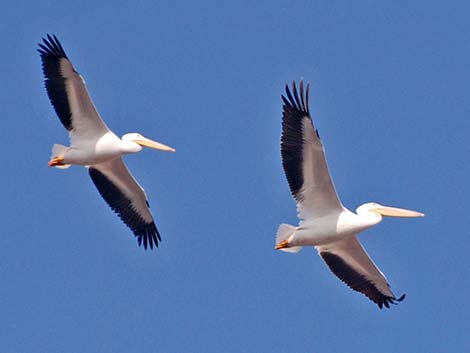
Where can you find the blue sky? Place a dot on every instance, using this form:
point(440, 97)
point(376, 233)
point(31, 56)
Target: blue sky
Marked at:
point(390, 88)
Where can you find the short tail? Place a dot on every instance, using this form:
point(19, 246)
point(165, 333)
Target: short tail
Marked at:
point(59, 151)
point(283, 234)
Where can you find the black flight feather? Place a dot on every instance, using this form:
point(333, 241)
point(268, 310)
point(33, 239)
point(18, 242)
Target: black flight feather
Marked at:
point(295, 110)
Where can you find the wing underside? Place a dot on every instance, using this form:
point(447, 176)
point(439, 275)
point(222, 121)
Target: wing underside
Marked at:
point(348, 260)
point(127, 198)
point(303, 158)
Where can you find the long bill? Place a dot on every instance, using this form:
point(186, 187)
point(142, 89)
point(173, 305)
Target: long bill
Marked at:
point(396, 212)
point(154, 144)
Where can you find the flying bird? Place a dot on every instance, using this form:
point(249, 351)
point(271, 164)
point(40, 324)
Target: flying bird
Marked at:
point(94, 145)
point(325, 223)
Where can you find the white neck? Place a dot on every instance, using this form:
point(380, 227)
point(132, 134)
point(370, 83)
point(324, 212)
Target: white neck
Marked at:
point(368, 217)
point(130, 146)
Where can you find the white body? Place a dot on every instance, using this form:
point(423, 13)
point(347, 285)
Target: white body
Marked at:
point(98, 149)
point(331, 227)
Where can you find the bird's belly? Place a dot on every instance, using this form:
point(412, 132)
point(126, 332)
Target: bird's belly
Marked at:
point(94, 151)
point(318, 236)
point(324, 231)
point(88, 156)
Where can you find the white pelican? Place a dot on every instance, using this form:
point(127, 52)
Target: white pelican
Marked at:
point(94, 146)
point(326, 224)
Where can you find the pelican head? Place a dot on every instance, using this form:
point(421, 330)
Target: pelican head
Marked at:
point(387, 210)
point(137, 140)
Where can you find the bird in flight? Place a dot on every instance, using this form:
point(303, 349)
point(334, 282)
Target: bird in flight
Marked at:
point(94, 145)
point(325, 223)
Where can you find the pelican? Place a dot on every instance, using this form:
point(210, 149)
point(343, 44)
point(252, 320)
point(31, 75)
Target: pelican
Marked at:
point(325, 223)
point(94, 145)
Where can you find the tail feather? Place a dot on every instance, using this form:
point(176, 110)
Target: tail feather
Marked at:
point(59, 151)
point(284, 232)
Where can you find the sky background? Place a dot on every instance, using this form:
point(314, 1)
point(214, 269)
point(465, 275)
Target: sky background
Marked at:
point(390, 87)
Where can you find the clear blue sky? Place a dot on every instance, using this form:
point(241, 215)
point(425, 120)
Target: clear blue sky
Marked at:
point(390, 88)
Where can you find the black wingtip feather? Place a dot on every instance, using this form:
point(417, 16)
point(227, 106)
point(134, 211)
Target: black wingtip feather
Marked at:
point(296, 95)
point(286, 102)
point(146, 233)
point(145, 240)
point(51, 47)
point(296, 103)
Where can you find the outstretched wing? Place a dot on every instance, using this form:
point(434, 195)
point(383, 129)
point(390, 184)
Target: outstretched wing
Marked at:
point(67, 92)
point(348, 260)
point(303, 158)
point(127, 198)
